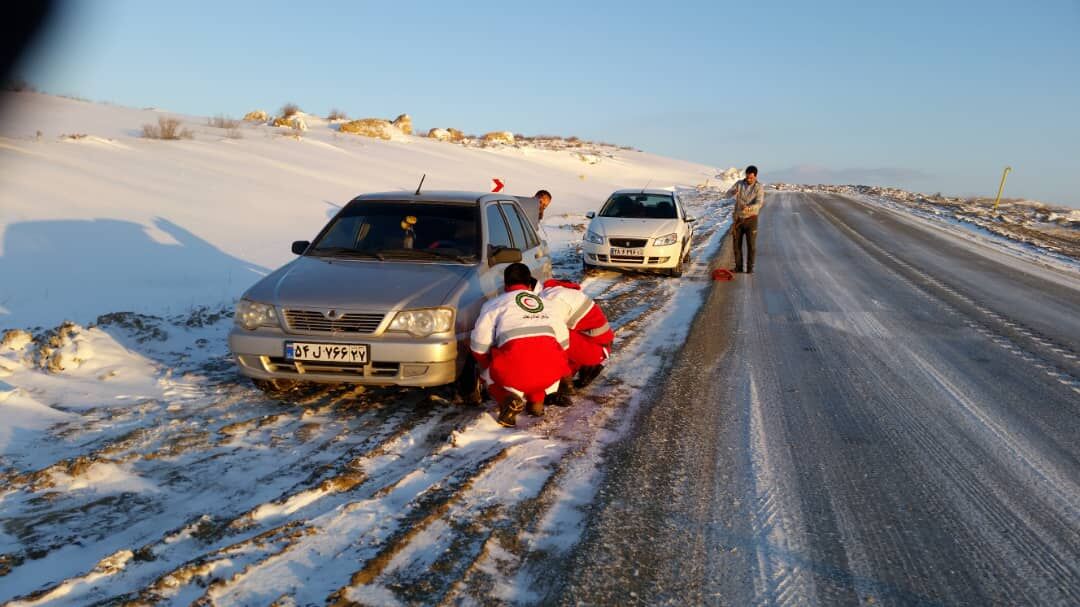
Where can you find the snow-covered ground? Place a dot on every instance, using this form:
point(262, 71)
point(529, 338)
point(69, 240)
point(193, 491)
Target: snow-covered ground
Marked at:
point(134, 464)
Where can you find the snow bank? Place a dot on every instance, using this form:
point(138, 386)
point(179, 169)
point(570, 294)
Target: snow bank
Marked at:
point(48, 379)
point(24, 418)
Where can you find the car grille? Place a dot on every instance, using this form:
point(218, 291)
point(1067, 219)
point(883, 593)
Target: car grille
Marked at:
point(276, 364)
point(628, 243)
point(627, 259)
point(310, 321)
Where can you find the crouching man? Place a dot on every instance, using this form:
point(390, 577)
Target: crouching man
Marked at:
point(591, 336)
point(520, 347)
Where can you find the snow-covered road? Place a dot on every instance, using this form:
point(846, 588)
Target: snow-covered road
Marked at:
point(205, 490)
point(881, 414)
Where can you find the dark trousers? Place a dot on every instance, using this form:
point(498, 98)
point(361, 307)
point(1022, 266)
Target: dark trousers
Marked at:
point(745, 229)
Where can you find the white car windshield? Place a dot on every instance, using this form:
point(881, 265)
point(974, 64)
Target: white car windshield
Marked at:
point(639, 206)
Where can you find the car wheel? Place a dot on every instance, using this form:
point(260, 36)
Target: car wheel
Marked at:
point(469, 388)
point(275, 388)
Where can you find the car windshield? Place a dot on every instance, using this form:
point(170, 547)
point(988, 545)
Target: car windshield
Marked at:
point(639, 206)
point(404, 230)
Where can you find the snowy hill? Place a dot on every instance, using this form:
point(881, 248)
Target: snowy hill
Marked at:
point(96, 219)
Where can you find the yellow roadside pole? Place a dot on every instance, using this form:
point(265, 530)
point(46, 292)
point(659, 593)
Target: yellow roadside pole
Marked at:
point(1001, 187)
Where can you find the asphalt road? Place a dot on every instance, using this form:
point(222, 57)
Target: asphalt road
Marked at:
point(881, 414)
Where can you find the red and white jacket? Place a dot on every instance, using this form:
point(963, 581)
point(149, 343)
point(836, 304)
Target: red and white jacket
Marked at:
point(579, 311)
point(521, 344)
point(516, 314)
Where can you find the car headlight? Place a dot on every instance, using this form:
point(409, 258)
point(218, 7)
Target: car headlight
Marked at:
point(666, 240)
point(421, 323)
point(251, 315)
point(593, 237)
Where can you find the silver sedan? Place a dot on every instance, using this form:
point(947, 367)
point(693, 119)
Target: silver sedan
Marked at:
point(388, 292)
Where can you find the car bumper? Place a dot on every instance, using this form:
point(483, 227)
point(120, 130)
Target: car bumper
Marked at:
point(392, 361)
point(652, 257)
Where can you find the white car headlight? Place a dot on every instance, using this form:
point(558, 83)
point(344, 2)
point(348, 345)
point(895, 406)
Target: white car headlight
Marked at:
point(593, 237)
point(666, 240)
point(251, 315)
point(421, 323)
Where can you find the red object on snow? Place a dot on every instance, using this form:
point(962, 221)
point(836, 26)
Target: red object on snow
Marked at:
point(722, 274)
point(497, 185)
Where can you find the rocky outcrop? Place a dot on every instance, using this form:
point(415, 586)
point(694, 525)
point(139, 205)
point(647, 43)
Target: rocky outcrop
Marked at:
point(498, 137)
point(370, 127)
point(293, 122)
point(451, 135)
point(730, 175)
point(15, 339)
point(403, 124)
point(256, 116)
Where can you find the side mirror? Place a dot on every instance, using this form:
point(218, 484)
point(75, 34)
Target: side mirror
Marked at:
point(590, 214)
point(497, 255)
point(299, 246)
point(691, 219)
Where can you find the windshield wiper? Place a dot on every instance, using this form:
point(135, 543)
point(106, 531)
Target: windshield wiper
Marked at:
point(430, 253)
point(347, 252)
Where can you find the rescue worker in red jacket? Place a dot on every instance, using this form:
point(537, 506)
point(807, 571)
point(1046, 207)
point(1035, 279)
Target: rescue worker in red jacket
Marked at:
point(520, 346)
point(591, 336)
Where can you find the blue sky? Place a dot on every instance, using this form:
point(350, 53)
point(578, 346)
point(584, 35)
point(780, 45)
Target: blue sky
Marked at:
point(932, 96)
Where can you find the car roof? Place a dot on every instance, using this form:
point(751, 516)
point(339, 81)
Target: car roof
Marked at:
point(456, 197)
point(658, 191)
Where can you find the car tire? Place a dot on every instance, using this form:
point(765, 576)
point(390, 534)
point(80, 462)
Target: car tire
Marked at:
point(275, 388)
point(468, 387)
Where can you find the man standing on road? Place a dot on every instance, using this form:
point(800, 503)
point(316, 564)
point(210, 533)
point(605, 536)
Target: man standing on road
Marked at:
point(749, 198)
point(544, 197)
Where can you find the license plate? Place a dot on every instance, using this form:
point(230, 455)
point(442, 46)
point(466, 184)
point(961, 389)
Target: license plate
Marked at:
point(617, 252)
point(337, 353)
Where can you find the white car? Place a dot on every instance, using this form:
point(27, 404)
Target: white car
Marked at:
point(639, 230)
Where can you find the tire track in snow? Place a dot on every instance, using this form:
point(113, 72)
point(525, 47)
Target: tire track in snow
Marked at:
point(348, 454)
point(611, 290)
point(949, 469)
point(1025, 342)
point(779, 532)
point(943, 474)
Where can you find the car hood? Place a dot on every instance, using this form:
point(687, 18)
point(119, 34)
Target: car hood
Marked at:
point(633, 228)
point(360, 285)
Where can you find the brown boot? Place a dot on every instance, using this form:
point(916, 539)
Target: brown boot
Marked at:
point(565, 395)
point(587, 375)
point(536, 408)
point(508, 411)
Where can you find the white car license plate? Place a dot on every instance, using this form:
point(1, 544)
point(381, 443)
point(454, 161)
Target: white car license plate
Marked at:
point(337, 353)
point(617, 252)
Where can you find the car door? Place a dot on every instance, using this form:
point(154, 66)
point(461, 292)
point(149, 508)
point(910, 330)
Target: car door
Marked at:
point(496, 234)
point(526, 239)
point(686, 228)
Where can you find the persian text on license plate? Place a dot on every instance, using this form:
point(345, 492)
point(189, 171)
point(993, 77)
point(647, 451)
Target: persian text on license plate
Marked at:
point(617, 252)
point(338, 353)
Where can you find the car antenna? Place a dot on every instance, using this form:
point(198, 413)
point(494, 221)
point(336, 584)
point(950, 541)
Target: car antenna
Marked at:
point(646, 185)
point(421, 184)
